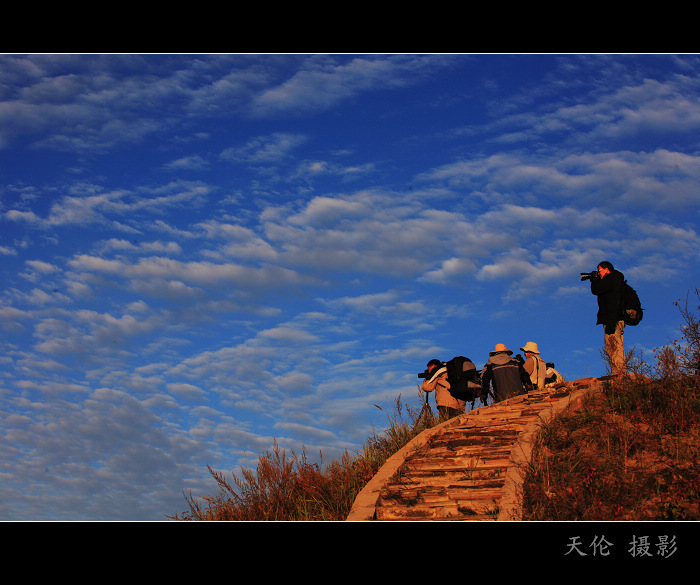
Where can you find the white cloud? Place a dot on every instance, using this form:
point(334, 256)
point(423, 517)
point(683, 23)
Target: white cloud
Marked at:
point(265, 150)
point(450, 269)
point(288, 334)
point(195, 273)
point(89, 209)
point(192, 162)
point(323, 81)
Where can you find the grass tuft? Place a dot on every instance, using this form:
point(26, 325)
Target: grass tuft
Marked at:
point(291, 488)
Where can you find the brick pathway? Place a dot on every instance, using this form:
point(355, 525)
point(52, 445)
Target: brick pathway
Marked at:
point(468, 468)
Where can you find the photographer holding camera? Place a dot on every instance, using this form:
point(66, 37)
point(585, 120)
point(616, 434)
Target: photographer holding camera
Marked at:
point(436, 379)
point(606, 284)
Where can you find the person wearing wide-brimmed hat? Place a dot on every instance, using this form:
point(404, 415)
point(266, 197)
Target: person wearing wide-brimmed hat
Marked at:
point(504, 373)
point(534, 365)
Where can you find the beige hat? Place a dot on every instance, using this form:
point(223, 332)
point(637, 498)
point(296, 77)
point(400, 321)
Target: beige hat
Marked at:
point(501, 348)
point(531, 347)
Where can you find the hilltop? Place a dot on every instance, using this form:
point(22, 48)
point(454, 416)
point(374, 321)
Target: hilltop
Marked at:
point(626, 452)
point(629, 451)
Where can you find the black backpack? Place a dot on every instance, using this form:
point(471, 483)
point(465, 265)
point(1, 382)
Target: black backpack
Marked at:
point(630, 305)
point(463, 378)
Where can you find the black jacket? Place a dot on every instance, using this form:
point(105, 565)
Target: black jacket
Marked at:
point(608, 290)
point(506, 374)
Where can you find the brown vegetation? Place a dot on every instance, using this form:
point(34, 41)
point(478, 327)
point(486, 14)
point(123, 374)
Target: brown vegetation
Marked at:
point(630, 452)
point(291, 488)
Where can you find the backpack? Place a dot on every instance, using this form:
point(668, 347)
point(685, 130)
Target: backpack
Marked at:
point(463, 378)
point(630, 305)
point(552, 377)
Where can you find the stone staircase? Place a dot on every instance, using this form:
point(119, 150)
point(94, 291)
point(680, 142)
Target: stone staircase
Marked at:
point(470, 467)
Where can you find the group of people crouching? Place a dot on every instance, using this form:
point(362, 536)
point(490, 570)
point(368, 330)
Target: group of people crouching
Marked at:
point(502, 377)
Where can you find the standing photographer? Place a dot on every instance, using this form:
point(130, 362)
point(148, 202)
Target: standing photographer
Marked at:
point(606, 284)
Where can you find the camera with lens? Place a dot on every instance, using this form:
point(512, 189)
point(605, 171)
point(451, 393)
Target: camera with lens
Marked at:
point(423, 374)
point(589, 275)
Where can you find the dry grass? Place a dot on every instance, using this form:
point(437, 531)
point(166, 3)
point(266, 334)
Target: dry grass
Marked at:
point(630, 452)
point(291, 488)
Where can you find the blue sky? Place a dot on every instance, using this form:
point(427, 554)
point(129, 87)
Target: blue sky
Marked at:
point(202, 254)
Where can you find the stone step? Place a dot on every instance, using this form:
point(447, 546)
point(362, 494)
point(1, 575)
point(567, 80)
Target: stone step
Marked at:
point(465, 468)
point(441, 511)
